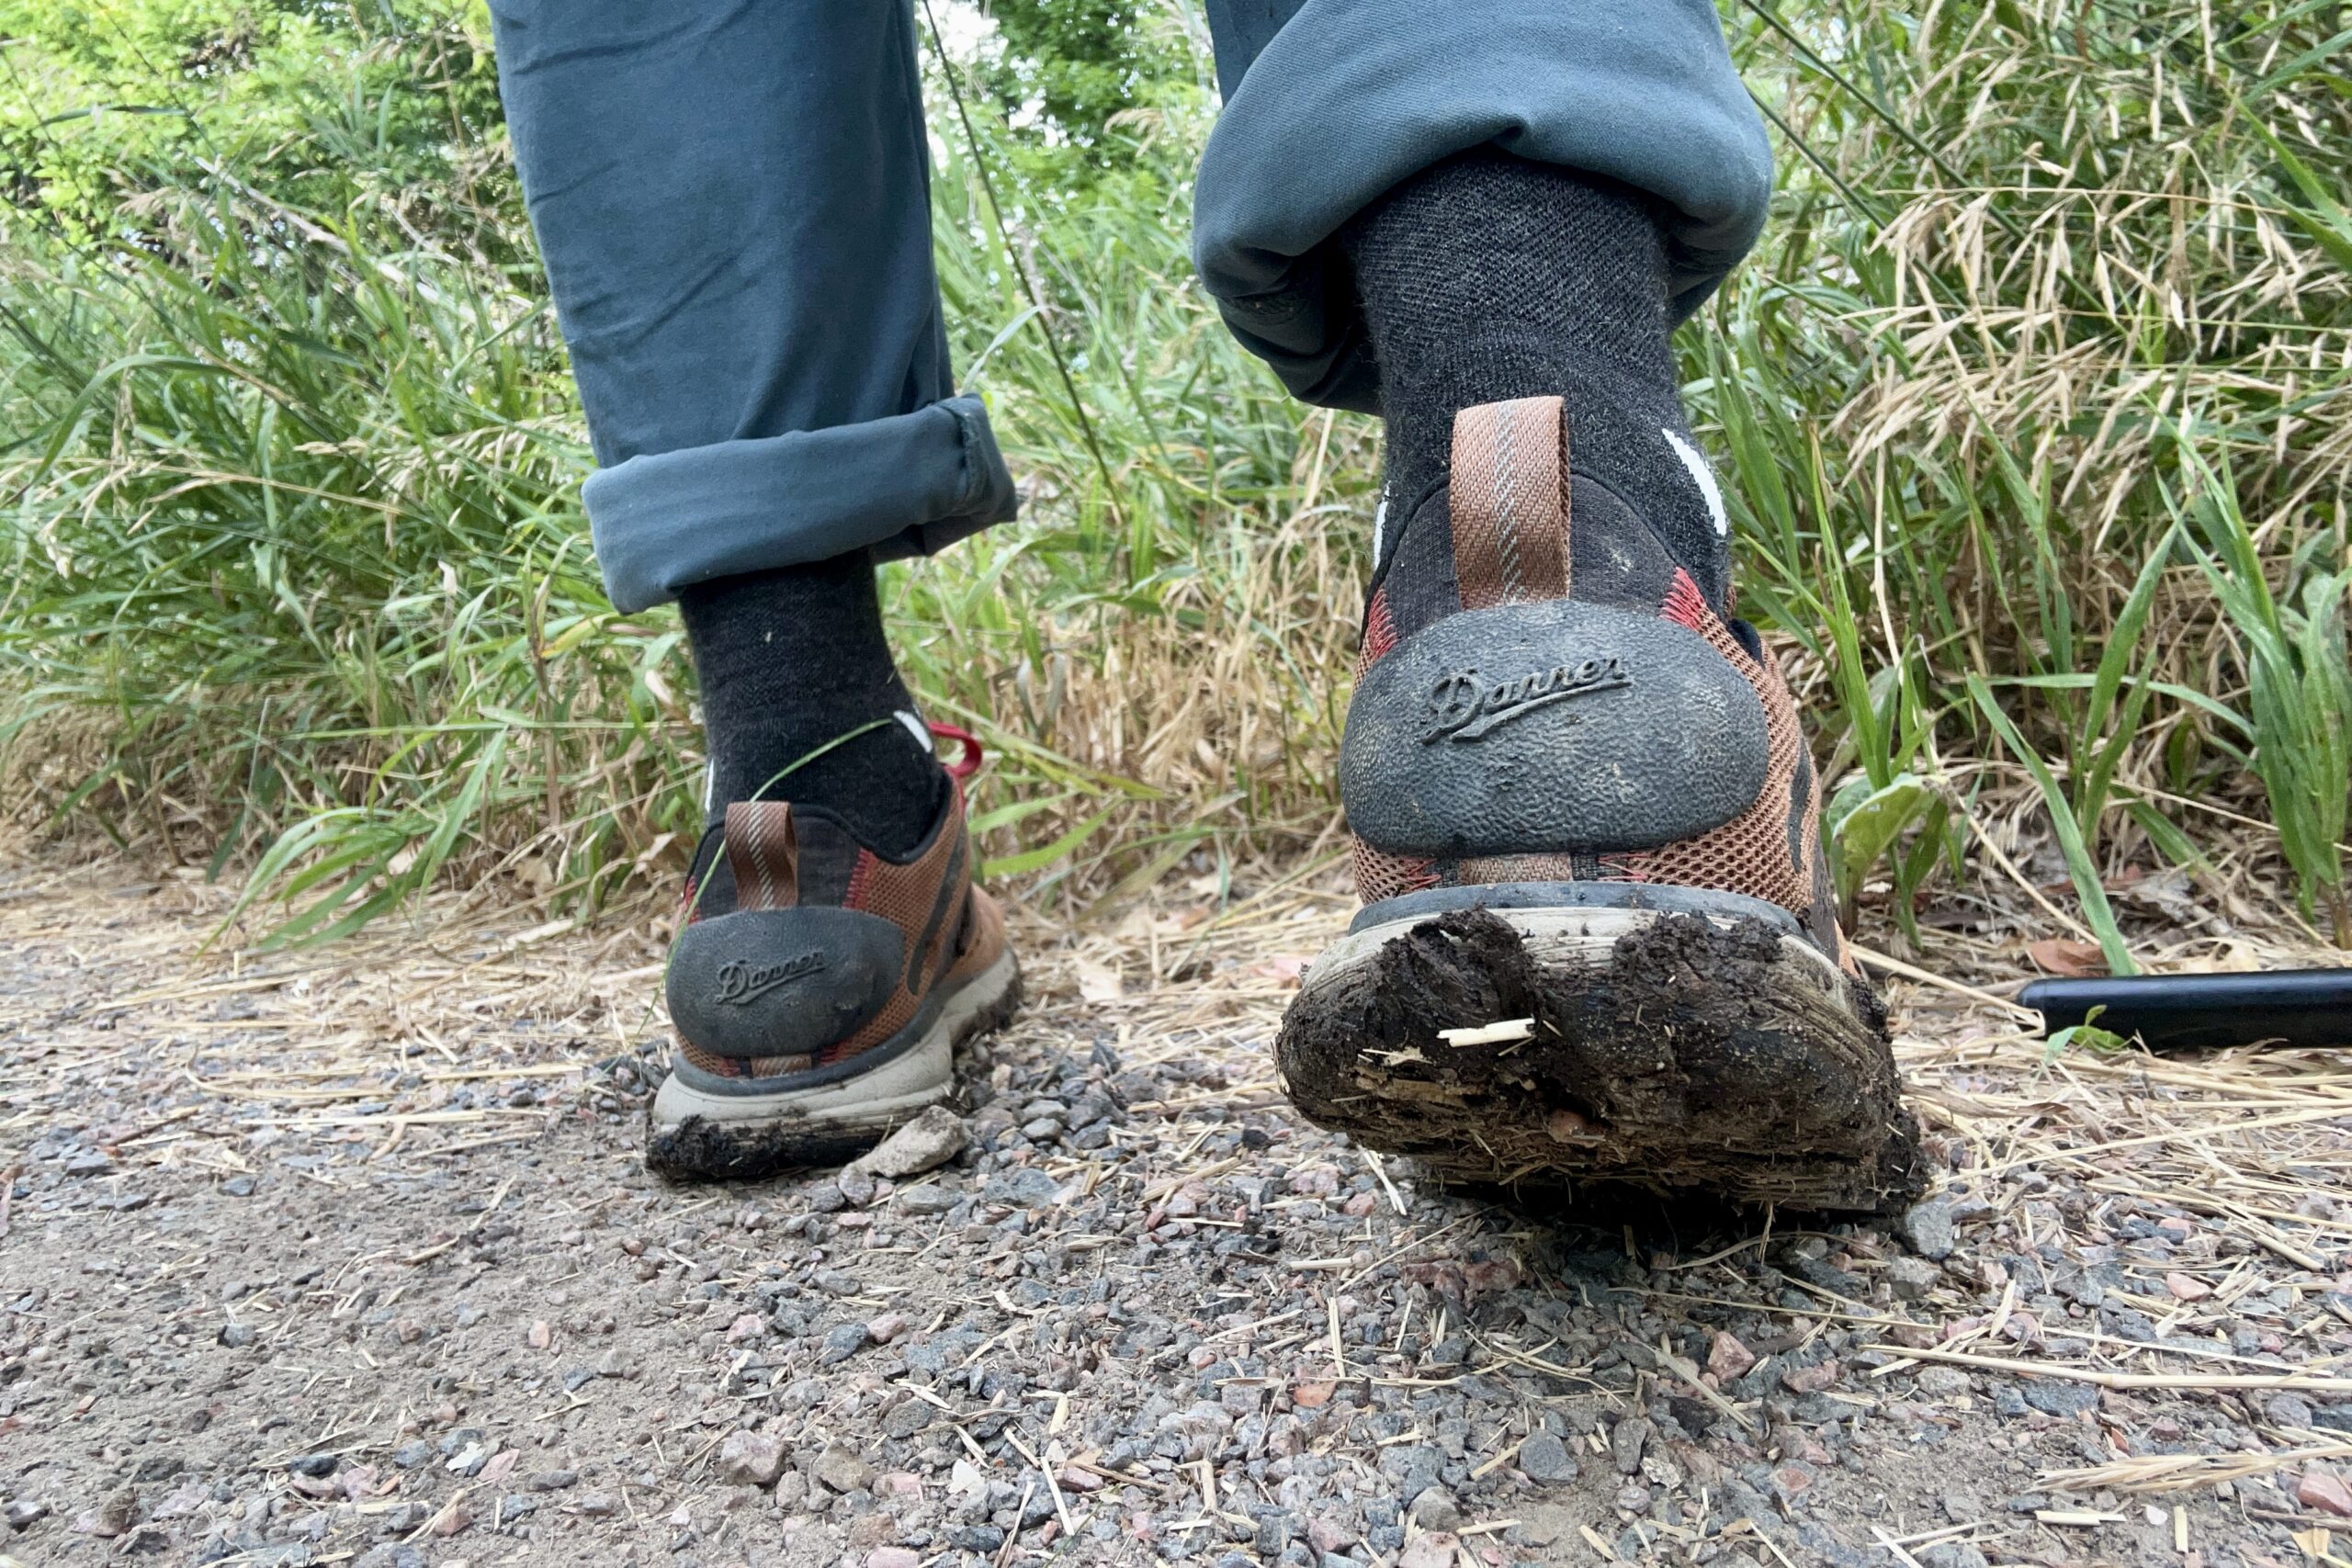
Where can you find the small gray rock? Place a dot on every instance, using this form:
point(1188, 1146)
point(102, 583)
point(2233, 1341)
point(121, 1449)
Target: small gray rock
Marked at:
point(1943, 1383)
point(1412, 1467)
point(842, 1342)
point(1023, 1186)
point(2288, 1410)
point(1435, 1509)
point(750, 1459)
point(1626, 1442)
point(2055, 1398)
point(857, 1185)
point(1912, 1277)
point(931, 1198)
point(1829, 1276)
point(1275, 1530)
point(839, 1469)
point(1545, 1458)
point(931, 1140)
point(391, 1554)
point(1814, 1536)
point(1928, 1226)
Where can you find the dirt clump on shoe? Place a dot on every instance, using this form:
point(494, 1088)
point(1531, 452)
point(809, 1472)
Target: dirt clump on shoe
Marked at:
point(1684, 1053)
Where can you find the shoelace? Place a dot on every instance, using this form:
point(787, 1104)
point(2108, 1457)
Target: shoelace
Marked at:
point(968, 754)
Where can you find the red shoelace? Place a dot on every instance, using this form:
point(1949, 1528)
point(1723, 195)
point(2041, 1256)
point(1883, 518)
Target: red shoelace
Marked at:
point(968, 755)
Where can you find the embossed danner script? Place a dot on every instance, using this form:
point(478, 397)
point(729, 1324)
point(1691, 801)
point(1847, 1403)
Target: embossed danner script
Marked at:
point(740, 982)
point(1462, 706)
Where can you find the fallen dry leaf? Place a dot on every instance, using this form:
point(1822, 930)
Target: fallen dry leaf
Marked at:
point(2063, 955)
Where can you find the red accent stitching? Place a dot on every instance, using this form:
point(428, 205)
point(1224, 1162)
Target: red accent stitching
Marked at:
point(858, 876)
point(1379, 629)
point(1686, 605)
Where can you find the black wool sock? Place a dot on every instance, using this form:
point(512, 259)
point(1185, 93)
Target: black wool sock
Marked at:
point(1487, 277)
point(789, 659)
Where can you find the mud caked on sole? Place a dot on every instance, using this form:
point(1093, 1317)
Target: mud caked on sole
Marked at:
point(1686, 1053)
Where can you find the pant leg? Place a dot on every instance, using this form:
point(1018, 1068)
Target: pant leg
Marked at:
point(1330, 103)
point(732, 201)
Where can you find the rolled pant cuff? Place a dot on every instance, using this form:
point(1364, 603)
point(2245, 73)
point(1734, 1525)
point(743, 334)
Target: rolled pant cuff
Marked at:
point(907, 485)
point(1353, 97)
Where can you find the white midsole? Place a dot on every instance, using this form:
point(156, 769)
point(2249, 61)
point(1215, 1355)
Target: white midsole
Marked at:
point(920, 1076)
point(1554, 937)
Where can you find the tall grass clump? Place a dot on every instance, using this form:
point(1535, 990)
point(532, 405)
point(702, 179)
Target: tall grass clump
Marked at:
point(2043, 277)
point(2034, 404)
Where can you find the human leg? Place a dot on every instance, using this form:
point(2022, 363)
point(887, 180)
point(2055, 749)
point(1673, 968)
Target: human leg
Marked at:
point(733, 206)
point(1578, 784)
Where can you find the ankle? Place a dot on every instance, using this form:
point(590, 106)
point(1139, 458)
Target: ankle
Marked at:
point(802, 701)
point(1487, 277)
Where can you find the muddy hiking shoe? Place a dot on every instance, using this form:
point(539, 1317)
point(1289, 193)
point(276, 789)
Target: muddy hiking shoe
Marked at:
point(820, 989)
point(1587, 833)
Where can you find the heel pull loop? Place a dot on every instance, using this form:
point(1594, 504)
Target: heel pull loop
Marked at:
point(763, 851)
point(1509, 487)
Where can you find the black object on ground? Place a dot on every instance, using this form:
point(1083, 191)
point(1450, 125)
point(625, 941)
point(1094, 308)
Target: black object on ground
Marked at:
point(2179, 1012)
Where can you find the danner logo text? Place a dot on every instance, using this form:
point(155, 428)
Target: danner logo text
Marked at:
point(740, 982)
point(1463, 707)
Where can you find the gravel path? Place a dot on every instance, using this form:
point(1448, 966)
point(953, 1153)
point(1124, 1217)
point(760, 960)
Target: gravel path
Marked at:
point(349, 1257)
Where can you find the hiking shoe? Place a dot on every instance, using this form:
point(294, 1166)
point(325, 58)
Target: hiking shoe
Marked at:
point(1598, 940)
point(819, 989)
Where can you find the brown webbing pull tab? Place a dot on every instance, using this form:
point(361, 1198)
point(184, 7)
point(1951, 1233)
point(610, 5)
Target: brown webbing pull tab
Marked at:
point(1510, 502)
point(763, 850)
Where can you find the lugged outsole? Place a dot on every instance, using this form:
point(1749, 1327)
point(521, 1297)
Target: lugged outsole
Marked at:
point(1675, 1052)
point(755, 1138)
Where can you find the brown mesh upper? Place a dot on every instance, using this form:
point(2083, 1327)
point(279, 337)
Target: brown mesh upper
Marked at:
point(1752, 853)
point(1380, 874)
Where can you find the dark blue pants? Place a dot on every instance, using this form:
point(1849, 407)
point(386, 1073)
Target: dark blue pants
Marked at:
point(732, 202)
